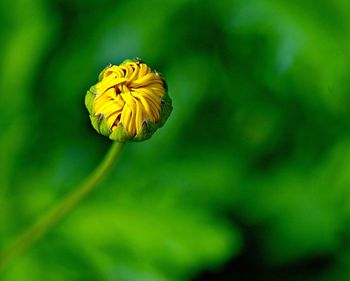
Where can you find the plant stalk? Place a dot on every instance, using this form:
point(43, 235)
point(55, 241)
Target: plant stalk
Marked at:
point(45, 223)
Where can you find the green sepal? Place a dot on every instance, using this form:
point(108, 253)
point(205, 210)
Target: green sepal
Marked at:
point(165, 110)
point(104, 129)
point(90, 98)
point(148, 129)
point(95, 123)
point(100, 125)
point(120, 134)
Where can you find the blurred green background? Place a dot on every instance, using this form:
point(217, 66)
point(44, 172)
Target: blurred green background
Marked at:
point(248, 180)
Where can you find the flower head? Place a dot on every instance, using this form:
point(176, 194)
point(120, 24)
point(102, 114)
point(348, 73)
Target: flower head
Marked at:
point(130, 102)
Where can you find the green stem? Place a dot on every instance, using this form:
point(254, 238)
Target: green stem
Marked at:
point(62, 209)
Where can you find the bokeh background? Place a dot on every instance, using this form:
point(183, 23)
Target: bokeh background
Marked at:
point(248, 180)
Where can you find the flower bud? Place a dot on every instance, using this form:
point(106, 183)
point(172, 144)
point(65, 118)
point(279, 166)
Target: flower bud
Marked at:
point(129, 102)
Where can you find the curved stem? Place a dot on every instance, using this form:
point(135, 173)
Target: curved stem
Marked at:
point(63, 208)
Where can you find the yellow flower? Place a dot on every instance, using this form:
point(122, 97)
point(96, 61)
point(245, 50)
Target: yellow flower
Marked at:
point(130, 101)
